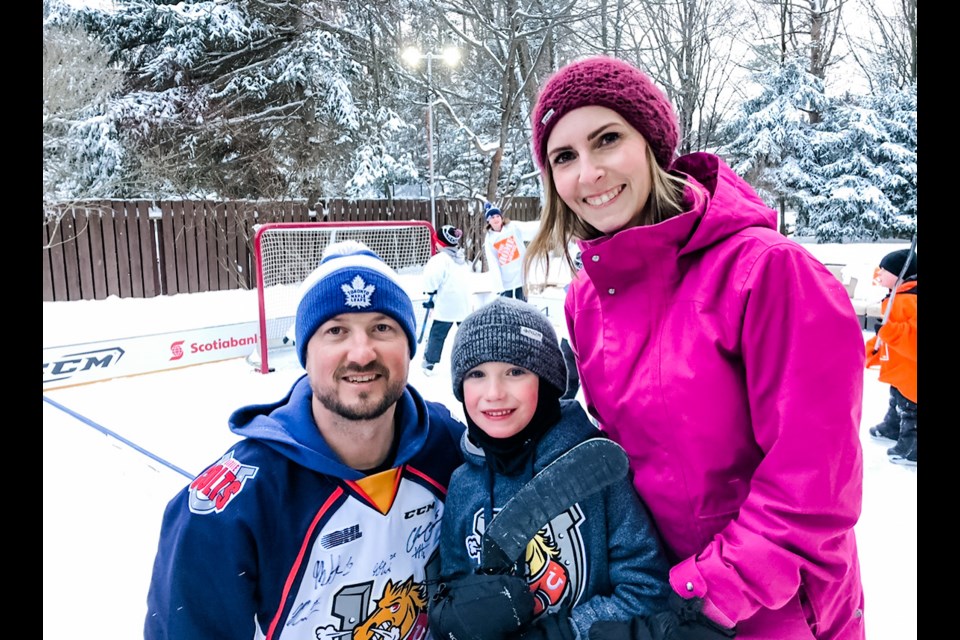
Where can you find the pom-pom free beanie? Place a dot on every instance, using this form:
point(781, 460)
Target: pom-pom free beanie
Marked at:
point(512, 331)
point(490, 210)
point(351, 279)
point(614, 84)
point(449, 235)
point(894, 261)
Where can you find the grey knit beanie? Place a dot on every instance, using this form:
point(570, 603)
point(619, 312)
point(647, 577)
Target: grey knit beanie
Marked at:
point(508, 330)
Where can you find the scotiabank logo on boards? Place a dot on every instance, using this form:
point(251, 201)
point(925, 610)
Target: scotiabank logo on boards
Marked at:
point(67, 365)
point(177, 352)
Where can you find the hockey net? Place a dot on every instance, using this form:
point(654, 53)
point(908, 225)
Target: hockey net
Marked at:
point(287, 252)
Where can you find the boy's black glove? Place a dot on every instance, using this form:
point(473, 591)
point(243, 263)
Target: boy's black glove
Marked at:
point(683, 621)
point(428, 304)
point(481, 607)
point(550, 627)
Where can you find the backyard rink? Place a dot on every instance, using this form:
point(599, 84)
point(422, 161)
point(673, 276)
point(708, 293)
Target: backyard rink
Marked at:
point(103, 499)
point(116, 451)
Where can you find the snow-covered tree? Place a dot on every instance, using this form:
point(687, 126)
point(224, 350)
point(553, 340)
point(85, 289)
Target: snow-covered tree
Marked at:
point(376, 172)
point(82, 156)
point(310, 99)
point(885, 43)
point(237, 99)
point(771, 139)
point(688, 47)
point(867, 158)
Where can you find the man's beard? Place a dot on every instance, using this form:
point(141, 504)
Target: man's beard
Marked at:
point(366, 408)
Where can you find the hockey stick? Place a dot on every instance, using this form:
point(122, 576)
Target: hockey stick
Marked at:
point(893, 292)
point(579, 473)
point(426, 317)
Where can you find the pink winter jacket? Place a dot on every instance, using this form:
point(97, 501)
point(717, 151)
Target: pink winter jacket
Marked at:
point(728, 362)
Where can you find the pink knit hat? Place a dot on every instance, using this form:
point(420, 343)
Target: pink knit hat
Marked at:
point(614, 84)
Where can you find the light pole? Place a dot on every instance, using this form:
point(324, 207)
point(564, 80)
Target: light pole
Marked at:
point(451, 56)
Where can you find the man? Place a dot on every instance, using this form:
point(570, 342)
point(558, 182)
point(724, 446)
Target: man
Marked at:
point(323, 521)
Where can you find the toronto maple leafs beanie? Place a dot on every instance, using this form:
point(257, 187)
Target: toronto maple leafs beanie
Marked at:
point(490, 210)
point(351, 278)
point(512, 331)
point(607, 82)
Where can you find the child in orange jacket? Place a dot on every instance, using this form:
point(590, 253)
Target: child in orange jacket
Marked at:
point(894, 350)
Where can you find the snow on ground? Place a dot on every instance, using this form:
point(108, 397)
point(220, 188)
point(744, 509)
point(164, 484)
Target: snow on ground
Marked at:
point(115, 452)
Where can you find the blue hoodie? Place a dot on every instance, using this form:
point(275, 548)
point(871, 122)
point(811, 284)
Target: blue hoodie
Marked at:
point(602, 557)
point(280, 534)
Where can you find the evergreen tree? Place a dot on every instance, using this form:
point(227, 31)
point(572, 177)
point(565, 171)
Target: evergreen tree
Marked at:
point(310, 99)
point(771, 140)
point(82, 154)
point(241, 100)
point(867, 157)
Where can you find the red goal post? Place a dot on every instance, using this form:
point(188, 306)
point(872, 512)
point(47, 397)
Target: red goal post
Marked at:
point(285, 253)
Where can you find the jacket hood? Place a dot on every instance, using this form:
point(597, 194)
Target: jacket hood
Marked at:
point(554, 442)
point(732, 204)
point(455, 253)
point(726, 205)
point(288, 427)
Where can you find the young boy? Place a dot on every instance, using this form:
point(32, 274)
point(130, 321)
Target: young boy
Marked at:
point(894, 350)
point(504, 248)
point(599, 560)
point(446, 278)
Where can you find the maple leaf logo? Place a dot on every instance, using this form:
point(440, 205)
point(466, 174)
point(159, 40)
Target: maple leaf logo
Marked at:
point(357, 293)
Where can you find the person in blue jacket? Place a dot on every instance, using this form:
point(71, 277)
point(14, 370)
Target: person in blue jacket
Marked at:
point(322, 520)
point(600, 559)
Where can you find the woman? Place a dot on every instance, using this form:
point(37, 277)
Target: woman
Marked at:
point(722, 356)
point(505, 249)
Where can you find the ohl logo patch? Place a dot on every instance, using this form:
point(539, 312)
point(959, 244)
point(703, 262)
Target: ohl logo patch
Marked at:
point(213, 489)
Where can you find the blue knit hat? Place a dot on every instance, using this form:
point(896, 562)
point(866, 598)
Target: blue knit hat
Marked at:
point(351, 279)
point(489, 211)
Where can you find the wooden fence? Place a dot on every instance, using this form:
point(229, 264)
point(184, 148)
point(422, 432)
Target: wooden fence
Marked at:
point(146, 248)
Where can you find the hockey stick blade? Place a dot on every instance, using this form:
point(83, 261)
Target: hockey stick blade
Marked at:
point(582, 471)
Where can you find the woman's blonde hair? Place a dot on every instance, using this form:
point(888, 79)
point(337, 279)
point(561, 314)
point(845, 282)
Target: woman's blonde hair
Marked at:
point(559, 225)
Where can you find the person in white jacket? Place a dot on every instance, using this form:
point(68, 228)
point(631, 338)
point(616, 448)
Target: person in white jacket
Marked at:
point(505, 249)
point(446, 280)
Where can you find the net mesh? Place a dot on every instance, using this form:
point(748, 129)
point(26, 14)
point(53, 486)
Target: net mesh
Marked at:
point(288, 253)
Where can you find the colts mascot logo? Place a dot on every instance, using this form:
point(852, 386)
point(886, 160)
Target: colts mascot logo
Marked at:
point(554, 560)
point(400, 613)
point(548, 579)
point(358, 294)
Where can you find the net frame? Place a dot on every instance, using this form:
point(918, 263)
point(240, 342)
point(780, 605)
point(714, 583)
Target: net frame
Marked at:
point(285, 253)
